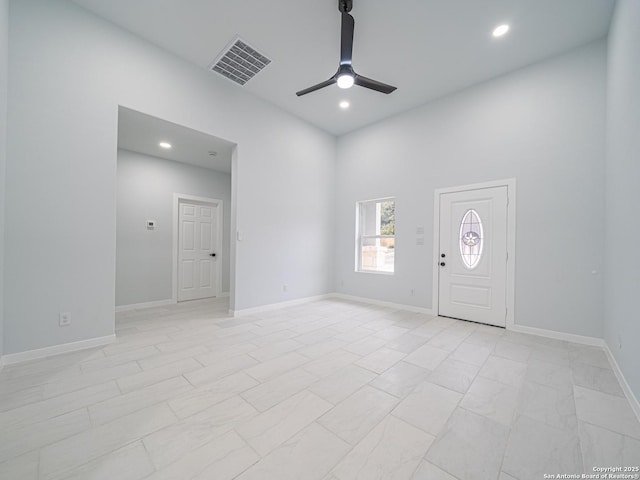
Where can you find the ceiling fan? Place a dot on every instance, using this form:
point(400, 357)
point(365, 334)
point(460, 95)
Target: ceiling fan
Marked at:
point(346, 77)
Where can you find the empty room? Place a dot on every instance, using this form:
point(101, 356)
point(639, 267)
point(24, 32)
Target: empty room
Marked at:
point(319, 240)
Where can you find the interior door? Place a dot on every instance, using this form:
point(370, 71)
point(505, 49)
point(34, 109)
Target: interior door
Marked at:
point(473, 255)
point(197, 251)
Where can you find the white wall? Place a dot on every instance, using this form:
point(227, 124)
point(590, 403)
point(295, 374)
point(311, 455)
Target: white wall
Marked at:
point(543, 125)
point(69, 71)
point(622, 275)
point(4, 59)
point(144, 258)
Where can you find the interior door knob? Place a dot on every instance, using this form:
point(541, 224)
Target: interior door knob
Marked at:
point(442, 264)
point(212, 254)
point(442, 255)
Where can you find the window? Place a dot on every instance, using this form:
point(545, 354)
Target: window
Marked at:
point(471, 239)
point(376, 237)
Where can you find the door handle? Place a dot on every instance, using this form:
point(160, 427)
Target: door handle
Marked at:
point(442, 264)
point(212, 254)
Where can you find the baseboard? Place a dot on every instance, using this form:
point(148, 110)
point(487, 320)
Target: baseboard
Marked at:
point(569, 337)
point(633, 400)
point(275, 306)
point(541, 332)
point(380, 303)
point(57, 349)
point(138, 306)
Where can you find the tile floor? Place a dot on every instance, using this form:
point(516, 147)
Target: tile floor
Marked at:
point(330, 390)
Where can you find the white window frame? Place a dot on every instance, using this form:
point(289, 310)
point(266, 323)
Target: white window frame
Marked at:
point(360, 237)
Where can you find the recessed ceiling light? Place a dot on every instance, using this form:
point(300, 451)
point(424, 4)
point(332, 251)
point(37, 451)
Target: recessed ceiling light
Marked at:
point(344, 104)
point(165, 145)
point(500, 30)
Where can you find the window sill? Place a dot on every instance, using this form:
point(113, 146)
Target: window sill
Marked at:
point(372, 272)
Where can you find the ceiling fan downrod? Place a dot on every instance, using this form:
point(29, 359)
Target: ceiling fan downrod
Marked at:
point(345, 6)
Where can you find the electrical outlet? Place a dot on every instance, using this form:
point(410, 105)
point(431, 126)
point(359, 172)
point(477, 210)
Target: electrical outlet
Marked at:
point(64, 319)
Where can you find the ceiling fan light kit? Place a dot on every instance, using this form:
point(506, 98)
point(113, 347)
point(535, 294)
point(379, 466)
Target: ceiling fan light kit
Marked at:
point(346, 77)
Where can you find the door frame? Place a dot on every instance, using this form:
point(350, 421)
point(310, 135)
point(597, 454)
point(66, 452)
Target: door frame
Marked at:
point(219, 204)
point(510, 183)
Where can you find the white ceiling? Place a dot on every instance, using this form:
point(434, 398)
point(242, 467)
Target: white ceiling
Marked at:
point(427, 48)
point(143, 133)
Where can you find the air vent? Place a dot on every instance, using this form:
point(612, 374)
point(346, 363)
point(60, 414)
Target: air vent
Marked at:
point(239, 62)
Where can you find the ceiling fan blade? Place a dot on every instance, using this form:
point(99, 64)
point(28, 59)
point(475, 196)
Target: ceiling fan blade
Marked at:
point(326, 83)
point(346, 44)
point(373, 84)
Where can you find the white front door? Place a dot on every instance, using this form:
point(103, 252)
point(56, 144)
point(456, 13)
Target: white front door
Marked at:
point(472, 261)
point(197, 251)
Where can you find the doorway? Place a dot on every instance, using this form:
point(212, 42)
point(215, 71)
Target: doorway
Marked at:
point(157, 161)
point(474, 238)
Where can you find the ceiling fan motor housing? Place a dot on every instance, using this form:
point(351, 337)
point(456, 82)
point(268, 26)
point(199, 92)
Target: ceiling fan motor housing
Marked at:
point(345, 69)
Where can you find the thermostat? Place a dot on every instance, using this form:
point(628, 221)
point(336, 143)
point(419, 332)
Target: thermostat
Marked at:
point(151, 224)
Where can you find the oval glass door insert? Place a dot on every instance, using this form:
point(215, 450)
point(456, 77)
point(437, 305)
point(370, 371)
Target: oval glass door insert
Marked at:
point(471, 239)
